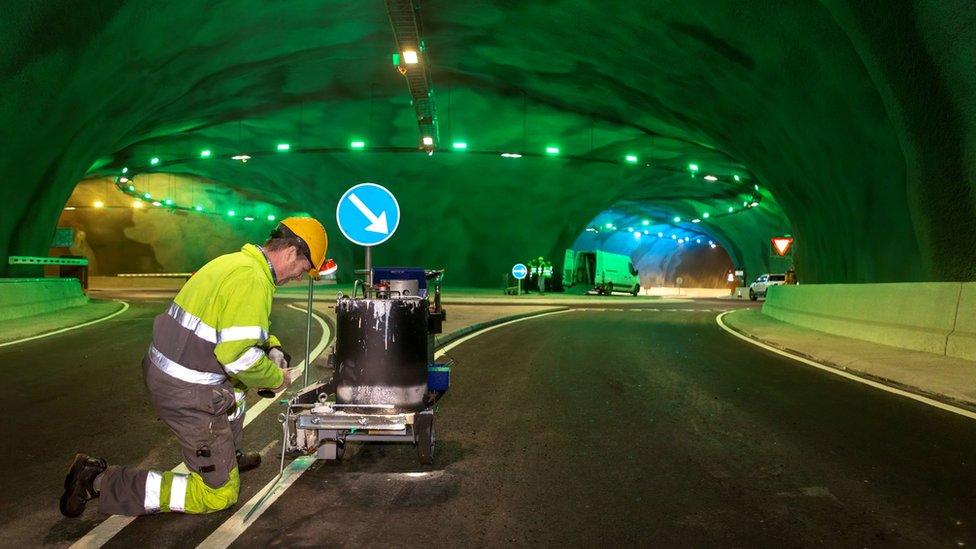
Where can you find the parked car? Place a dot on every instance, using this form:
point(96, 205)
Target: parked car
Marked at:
point(758, 288)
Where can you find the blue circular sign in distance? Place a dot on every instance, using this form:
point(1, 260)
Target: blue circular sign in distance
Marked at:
point(368, 214)
point(519, 271)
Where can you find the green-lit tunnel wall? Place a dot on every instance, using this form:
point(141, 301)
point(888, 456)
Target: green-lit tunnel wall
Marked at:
point(855, 119)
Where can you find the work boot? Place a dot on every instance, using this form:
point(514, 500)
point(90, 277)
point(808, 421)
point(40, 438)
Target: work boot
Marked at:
point(78, 484)
point(247, 461)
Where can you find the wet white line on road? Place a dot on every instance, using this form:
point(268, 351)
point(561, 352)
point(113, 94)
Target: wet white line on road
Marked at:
point(125, 307)
point(228, 532)
point(107, 529)
point(842, 373)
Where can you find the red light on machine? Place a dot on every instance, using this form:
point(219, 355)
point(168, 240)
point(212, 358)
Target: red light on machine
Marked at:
point(782, 245)
point(328, 267)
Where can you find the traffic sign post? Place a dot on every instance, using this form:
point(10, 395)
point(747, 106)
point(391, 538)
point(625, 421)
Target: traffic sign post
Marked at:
point(520, 271)
point(368, 214)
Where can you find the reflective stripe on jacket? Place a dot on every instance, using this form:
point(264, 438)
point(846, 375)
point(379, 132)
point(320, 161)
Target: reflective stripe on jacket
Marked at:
point(218, 323)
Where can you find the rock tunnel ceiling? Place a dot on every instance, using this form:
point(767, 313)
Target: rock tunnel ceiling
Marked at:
point(861, 144)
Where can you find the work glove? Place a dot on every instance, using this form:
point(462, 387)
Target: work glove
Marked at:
point(288, 375)
point(279, 357)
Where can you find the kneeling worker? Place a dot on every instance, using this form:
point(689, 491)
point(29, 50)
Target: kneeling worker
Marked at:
point(210, 345)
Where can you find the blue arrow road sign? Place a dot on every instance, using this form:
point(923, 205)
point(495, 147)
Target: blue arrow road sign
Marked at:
point(519, 271)
point(368, 214)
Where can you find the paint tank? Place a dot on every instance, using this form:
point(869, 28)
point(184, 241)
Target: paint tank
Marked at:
point(381, 352)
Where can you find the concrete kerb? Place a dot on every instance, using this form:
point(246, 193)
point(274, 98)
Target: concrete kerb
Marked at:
point(921, 392)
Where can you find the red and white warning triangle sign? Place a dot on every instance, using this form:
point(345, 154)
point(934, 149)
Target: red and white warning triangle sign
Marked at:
point(782, 245)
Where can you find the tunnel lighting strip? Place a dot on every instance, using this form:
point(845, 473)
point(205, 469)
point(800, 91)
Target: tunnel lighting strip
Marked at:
point(408, 34)
point(125, 185)
point(740, 185)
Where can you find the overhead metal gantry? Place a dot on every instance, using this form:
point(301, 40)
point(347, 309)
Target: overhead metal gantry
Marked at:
point(411, 61)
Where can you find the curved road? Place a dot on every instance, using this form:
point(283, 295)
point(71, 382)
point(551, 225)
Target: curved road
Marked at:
point(646, 428)
point(650, 427)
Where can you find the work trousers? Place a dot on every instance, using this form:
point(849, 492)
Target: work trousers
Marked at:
point(208, 421)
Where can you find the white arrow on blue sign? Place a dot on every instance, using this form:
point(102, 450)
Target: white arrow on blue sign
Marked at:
point(519, 271)
point(368, 214)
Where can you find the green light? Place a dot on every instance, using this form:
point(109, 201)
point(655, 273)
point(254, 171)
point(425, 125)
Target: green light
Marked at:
point(271, 218)
point(248, 218)
point(731, 209)
point(677, 219)
point(198, 208)
point(154, 160)
point(646, 222)
point(756, 187)
point(132, 188)
point(205, 153)
point(358, 144)
point(125, 170)
point(231, 213)
point(552, 150)
point(396, 59)
point(460, 145)
point(147, 196)
point(283, 147)
point(706, 215)
point(632, 158)
point(736, 177)
point(168, 201)
point(693, 167)
point(608, 225)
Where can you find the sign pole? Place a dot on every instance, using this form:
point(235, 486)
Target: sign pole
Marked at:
point(308, 330)
point(520, 286)
point(369, 267)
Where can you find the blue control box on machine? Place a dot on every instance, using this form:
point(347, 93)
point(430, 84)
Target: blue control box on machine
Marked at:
point(438, 377)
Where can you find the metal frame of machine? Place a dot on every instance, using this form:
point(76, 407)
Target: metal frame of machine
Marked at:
point(314, 421)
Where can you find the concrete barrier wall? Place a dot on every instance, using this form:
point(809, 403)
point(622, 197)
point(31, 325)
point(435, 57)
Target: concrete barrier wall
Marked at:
point(962, 340)
point(20, 297)
point(918, 316)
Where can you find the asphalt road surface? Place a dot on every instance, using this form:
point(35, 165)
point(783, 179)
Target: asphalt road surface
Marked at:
point(82, 391)
point(632, 427)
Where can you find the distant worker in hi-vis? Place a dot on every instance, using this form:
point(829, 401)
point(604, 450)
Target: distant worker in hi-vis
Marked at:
point(210, 345)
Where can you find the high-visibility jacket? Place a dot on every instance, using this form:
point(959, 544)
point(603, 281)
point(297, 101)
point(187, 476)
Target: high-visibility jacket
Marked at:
point(217, 326)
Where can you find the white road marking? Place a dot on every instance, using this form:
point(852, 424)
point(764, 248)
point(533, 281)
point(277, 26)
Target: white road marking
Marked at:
point(125, 307)
point(107, 529)
point(232, 528)
point(852, 377)
point(457, 342)
point(228, 532)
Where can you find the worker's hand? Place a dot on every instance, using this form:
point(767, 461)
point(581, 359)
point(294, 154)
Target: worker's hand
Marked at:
point(279, 357)
point(288, 375)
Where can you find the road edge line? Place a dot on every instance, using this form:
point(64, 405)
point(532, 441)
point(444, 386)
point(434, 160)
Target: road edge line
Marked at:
point(231, 529)
point(125, 307)
point(853, 377)
point(111, 526)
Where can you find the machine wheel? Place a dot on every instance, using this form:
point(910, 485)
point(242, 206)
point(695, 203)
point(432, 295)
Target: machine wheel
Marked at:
point(752, 295)
point(423, 428)
point(608, 288)
point(636, 290)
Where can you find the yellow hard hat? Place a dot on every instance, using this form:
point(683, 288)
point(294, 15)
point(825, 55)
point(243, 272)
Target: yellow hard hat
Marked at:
point(313, 234)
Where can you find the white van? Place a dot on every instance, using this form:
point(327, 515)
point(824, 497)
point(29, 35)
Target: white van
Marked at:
point(604, 271)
